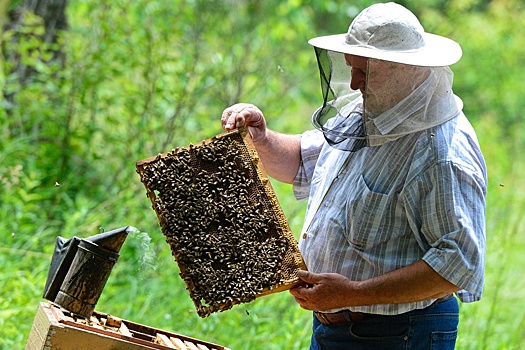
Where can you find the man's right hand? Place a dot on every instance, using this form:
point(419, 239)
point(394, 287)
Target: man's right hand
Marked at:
point(280, 153)
point(247, 115)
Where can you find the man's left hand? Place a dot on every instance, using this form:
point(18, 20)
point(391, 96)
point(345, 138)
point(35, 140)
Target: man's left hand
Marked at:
point(324, 291)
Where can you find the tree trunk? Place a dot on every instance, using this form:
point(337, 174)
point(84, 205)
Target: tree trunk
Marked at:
point(54, 19)
point(53, 12)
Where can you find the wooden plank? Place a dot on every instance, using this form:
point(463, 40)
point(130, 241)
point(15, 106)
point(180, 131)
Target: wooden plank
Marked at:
point(162, 339)
point(191, 346)
point(124, 330)
point(179, 344)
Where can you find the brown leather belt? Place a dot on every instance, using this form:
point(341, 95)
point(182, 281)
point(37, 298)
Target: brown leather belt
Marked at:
point(347, 316)
point(341, 317)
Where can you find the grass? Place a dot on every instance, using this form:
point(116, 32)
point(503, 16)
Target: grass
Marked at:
point(487, 324)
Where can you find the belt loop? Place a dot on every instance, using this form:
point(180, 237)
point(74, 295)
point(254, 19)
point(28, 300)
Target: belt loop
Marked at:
point(321, 316)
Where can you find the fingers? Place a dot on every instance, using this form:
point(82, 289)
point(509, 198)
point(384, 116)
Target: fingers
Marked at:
point(241, 114)
point(235, 116)
point(301, 292)
point(248, 115)
point(309, 277)
point(302, 295)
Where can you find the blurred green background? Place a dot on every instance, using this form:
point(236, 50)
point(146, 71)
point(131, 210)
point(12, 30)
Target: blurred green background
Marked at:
point(127, 79)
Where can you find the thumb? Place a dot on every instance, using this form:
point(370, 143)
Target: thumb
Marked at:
point(309, 277)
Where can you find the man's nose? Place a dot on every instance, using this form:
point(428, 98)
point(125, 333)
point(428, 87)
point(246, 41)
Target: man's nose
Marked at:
point(358, 80)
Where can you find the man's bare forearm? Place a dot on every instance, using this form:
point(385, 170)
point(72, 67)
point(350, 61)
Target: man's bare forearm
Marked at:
point(414, 282)
point(280, 155)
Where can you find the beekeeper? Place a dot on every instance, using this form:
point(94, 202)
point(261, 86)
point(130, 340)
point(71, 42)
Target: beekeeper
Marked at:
point(395, 182)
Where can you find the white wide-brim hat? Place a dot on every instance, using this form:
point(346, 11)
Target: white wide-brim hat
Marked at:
point(390, 32)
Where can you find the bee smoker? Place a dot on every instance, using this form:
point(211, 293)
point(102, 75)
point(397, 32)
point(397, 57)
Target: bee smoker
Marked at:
point(80, 269)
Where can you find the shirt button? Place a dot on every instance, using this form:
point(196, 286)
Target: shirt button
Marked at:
point(305, 235)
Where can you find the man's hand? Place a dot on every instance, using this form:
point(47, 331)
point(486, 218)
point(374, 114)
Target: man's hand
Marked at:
point(325, 291)
point(280, 153)
point(247, 115)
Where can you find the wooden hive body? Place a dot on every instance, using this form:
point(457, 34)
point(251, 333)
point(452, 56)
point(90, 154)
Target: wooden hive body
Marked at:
point(56, 329)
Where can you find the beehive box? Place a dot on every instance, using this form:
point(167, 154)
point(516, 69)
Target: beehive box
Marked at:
point(222, 220)
point(56, 329)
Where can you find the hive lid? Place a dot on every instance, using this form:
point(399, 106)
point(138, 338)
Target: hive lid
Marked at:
point(222, 220)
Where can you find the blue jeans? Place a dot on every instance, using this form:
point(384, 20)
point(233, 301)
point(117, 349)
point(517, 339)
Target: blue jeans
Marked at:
point(432, 328)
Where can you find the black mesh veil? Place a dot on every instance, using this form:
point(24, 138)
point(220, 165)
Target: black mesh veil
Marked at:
point(398, 100)
point(340, 118)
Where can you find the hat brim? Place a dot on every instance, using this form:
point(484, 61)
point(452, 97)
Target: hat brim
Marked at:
point(437, 52)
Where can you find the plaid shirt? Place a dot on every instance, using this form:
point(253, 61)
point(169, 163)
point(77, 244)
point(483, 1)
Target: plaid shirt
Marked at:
point(382, 208)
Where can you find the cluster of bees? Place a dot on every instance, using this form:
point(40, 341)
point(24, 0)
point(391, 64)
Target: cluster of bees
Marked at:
point(224, 232)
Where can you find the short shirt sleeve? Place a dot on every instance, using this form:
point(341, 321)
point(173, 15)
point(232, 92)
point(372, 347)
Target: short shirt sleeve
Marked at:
point(312, 142)
point(450, 225)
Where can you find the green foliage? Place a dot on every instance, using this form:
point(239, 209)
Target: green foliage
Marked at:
point(493, 52)
point(141, 77)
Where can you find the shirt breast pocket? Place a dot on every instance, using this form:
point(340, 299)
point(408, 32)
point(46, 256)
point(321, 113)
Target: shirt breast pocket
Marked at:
point(370, 216)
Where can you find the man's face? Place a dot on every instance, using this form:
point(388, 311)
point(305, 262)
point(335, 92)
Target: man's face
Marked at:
point(383, 84)
point(359, 68)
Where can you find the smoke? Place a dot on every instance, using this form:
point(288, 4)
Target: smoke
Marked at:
point(147, 255)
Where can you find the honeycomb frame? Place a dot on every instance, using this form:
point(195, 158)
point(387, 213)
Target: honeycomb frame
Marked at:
point(222, 220)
